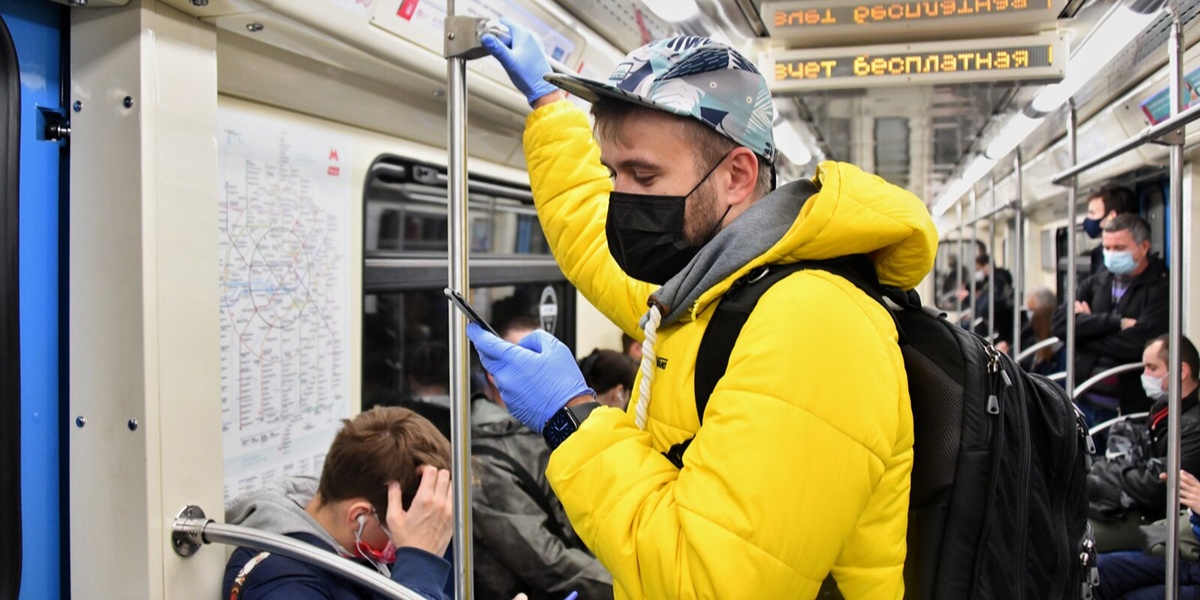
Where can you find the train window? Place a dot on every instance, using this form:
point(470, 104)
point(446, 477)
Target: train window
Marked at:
point(405, 240)
point(406, 211)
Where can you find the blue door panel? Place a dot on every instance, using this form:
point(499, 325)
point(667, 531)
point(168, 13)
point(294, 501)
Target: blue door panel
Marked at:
point(36, 32)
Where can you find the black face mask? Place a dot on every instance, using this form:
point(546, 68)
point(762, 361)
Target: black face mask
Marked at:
point(645, 233)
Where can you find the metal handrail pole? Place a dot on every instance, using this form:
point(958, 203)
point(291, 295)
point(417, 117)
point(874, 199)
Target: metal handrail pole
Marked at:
point(991, 316)
point(210, 532)
point(1071, 216)
point(991, 213)
point(460, 394)
point(975, 255)
point(1018, 231)
point(1050, 341)
point(1175, 241)
point(1113, 421)
point(1101, 376)
point(1059, 376)
point(1142, 138)
point(958, 277)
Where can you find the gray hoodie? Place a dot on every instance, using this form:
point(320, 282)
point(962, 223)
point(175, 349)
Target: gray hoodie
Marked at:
point(279, 508)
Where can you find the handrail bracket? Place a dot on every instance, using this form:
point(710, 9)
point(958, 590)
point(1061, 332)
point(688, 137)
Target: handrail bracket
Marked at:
point(188, 533)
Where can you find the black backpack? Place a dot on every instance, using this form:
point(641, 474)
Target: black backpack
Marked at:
point(998, 507)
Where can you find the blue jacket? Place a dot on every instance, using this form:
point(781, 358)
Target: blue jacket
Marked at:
point(279, 509)
point(283, 578)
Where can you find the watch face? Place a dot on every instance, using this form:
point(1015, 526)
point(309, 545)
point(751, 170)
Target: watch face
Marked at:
point(558, 429)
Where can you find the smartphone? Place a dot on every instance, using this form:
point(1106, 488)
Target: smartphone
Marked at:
point(461, 303)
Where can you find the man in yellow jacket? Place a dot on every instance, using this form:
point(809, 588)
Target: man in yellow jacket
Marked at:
point(801, 469)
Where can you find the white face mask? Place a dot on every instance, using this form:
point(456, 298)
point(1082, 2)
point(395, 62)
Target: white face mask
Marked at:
point(1153, 387)
point(980, 276)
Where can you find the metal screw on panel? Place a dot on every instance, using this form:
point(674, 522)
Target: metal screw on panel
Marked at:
point(78, 106)
point(128, 102)
point(254, 27)
point(80, 421)
point(450, 35)
point(133, 424)
point(200, 3)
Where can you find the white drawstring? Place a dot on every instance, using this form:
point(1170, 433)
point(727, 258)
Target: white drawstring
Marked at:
point(647, 366)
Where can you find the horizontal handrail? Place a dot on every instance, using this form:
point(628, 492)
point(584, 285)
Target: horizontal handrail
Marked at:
point(1109, 423)
point(1117, 370)
point(1026, 353)
point(1141, 138)
point(191, 528)
point(1059, 376)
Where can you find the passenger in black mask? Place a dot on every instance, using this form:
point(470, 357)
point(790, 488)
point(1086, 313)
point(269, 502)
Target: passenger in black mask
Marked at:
point(1102, 207)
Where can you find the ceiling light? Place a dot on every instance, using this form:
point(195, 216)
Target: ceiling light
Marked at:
point(1014, 132)
point(1117, 31)
point(788, 141)
point(675, 11)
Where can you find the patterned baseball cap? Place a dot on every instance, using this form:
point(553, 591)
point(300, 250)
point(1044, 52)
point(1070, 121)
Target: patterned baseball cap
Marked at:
point(693, 77)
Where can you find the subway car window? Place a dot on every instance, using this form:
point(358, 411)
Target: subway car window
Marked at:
point(405, 313)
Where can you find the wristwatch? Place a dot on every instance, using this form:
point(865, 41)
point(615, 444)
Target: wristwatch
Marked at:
point(564, 422)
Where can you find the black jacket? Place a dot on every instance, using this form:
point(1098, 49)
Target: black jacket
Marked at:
point(1099, 334)
point(1002, 297)
point(1140, 482)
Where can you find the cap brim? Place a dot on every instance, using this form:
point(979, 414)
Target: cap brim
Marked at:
point(592, 90)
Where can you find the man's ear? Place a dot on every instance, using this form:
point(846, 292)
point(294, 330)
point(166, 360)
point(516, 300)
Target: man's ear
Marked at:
point(743, 175)
point(358, 510)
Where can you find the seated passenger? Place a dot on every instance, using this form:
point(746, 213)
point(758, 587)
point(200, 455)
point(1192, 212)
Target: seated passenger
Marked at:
point(523, 541)
point(1135, 575)
point(631, 347)
point(1124, 486)
point(1001, 298)
point(384, 500)
point(611, 374)
point(1039, 306)
point(1103, 206)
point(427, 368)
point(1117, 311)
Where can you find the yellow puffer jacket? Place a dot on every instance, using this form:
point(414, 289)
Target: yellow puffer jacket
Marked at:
point(802, 466)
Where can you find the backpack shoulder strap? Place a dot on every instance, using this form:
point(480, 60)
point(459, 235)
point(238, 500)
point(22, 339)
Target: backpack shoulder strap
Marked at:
point(531, 488)
point(735, 307)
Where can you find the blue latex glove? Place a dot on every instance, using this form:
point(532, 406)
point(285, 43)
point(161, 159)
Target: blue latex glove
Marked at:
point(524, 59)
point(536, 377)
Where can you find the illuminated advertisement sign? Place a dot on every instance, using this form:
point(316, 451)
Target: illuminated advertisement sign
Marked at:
point(1158, 107)
point(1031, 58)
point(813, 21)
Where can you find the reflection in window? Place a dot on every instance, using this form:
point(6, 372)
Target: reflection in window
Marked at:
point(397, 325)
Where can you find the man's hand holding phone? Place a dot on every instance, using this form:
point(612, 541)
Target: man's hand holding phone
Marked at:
point(536, 377)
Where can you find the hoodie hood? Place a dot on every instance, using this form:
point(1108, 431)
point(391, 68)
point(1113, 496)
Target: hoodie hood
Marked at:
point(489, 420)
point(279, 508)
point(851, 212)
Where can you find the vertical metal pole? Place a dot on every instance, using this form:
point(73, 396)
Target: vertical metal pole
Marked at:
point(1175, 241)
point(1018, 244)
point(958, 277)
point(1069, 306)
point(974, 255)
point(991, 289)
point(460, 393)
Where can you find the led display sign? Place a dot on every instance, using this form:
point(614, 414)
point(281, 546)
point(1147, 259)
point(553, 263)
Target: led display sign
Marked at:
point(812, 21)
point(1030, 58)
